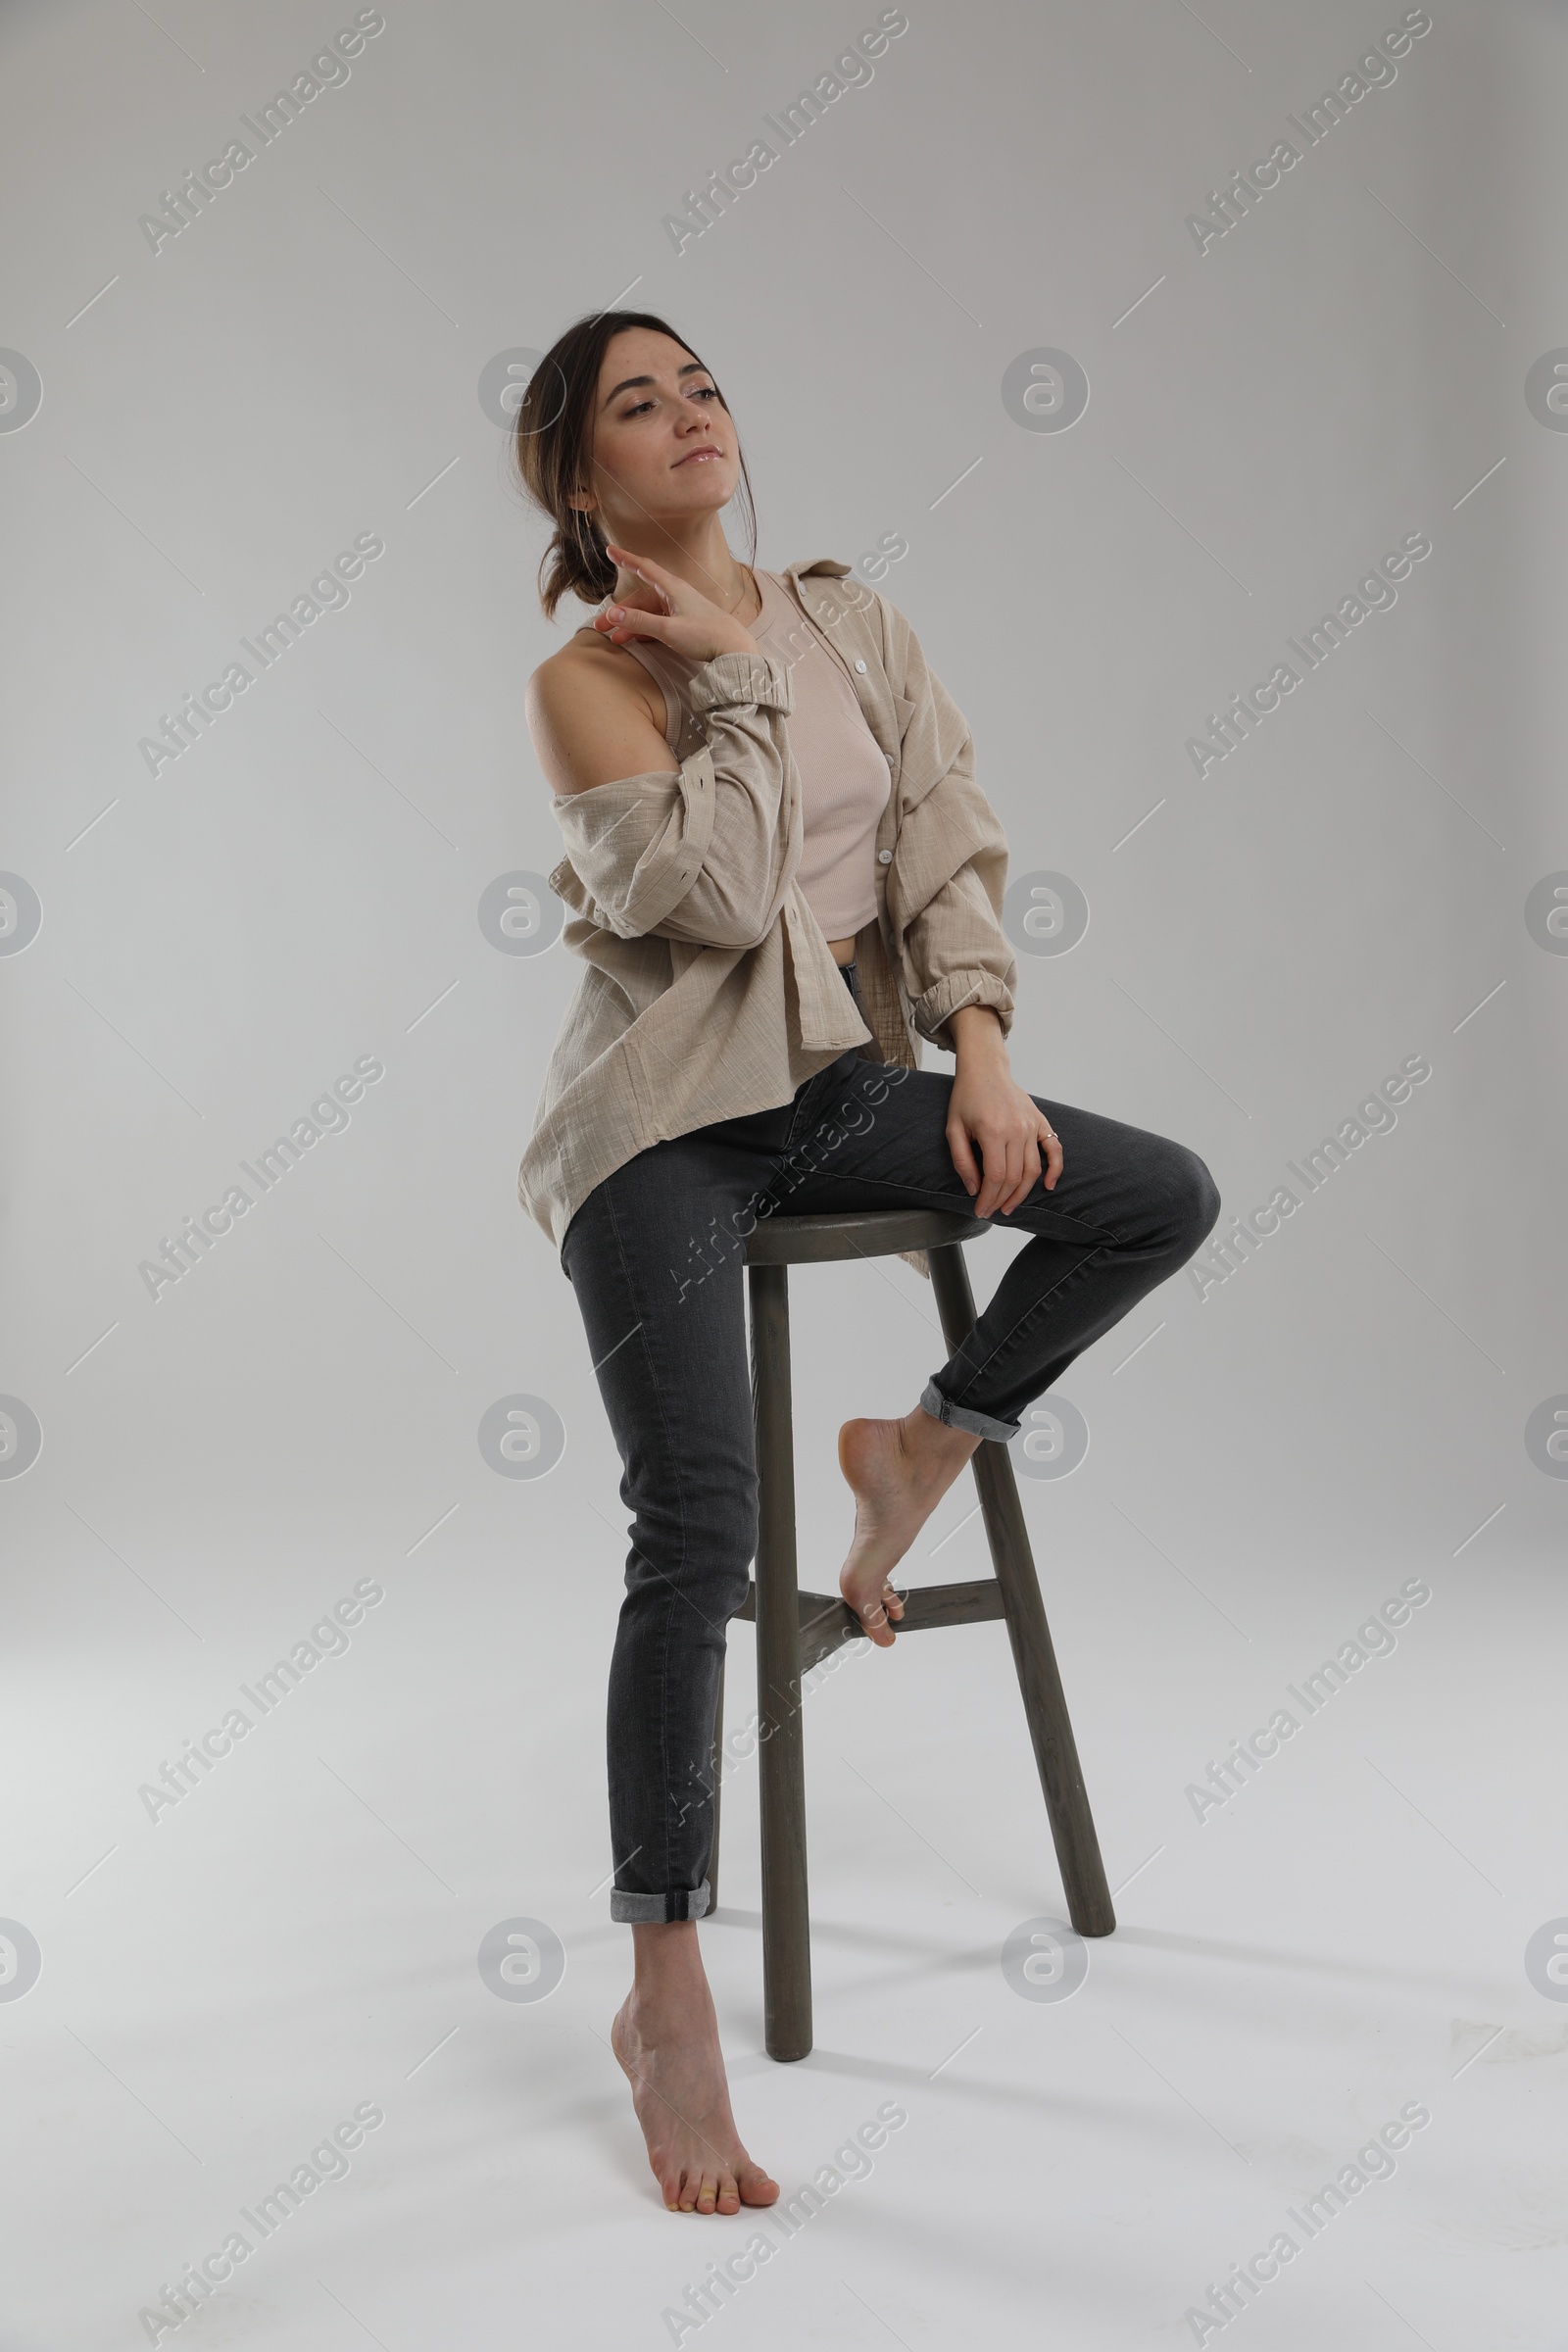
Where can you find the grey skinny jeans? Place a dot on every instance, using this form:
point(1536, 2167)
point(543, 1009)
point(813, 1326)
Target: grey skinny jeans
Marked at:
point(655, 1256)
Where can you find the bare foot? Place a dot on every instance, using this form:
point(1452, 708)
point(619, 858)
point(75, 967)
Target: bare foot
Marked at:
point(667, 2044)
point(897, 1472)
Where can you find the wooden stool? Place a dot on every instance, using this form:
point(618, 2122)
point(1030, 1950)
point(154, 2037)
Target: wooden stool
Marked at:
point(796, 1631)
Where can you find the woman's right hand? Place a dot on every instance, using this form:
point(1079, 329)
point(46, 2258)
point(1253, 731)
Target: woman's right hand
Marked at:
point(670, 612)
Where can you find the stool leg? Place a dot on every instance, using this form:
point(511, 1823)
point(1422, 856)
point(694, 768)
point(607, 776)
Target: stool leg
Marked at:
point(718, 1769)
point(786, 1918)
point(1072, 1824)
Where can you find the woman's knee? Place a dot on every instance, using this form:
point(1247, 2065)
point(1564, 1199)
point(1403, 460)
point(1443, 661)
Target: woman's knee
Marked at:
point(704, 1590)
point(698, 1541)
point(1193, 1198)
point(729, 1548)
point(1181, 1200)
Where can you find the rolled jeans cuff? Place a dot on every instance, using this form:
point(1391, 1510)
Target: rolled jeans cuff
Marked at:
point(961, 1416)
point(683, 1903)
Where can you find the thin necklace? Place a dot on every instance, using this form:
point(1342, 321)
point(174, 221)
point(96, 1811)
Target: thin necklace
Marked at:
point(750, 581)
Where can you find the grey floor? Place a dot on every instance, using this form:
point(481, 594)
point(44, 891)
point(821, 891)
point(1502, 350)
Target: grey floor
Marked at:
point(1079, 2161)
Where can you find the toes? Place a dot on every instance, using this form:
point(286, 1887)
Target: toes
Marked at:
point(875, 1616)
point(755, 2187)
point(729, 2199)
point(708, 2193)
point(691, 2182)
point(878, 1615)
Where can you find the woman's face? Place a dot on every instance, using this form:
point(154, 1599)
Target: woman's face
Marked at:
point(663, 446)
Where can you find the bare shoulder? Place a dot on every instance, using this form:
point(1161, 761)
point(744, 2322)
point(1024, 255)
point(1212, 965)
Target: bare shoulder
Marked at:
point(594, 715)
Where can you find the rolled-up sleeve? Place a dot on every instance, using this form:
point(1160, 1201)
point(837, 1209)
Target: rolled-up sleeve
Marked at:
point(702, 853)
point(958, 952)
point(948, 883)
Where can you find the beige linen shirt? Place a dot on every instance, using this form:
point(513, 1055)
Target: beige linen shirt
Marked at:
point(710, 989)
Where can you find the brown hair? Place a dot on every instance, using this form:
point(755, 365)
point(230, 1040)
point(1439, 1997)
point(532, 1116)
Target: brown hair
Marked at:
point(554, 443)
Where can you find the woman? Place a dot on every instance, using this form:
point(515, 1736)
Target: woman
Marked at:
point(773, 917)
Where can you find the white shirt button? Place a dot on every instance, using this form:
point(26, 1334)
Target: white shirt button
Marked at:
point(884, 856)
point(861, 665)
point(887, 756)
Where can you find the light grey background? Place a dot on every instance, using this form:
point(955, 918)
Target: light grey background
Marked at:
point(302, 1411)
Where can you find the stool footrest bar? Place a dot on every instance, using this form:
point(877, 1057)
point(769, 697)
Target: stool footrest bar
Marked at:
point(827, 1622)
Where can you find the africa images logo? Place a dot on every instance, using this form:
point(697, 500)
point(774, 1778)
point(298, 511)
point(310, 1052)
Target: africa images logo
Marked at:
point(327, 593)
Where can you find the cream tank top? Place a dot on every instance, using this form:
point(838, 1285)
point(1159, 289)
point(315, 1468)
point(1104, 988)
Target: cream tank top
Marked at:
point(845, 779)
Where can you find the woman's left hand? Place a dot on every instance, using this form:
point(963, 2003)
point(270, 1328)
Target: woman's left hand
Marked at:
point(988, 1108)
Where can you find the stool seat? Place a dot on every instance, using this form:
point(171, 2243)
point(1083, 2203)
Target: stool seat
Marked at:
point(797, 1630)
point(866, 1232)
